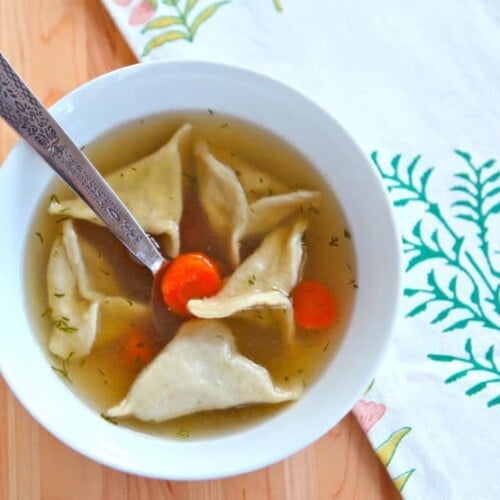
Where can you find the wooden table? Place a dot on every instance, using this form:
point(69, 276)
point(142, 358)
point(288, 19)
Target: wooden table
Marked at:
point(57, 45)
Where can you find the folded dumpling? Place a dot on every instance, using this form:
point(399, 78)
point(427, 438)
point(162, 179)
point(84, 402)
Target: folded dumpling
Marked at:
point(74, 317)
point(74, 305)
point(199, 370)
point(223, 200)
point(151, 188)
point(242, 202)
point(263, 280)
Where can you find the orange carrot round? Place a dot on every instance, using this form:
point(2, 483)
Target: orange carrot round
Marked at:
point(313, 305)
point(189, 276)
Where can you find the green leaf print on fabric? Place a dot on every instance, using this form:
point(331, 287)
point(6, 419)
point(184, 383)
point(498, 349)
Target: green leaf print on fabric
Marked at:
point(450, 251)
point(368, 413)
point(401, 480)
point(182, 22)
point(387, 450)
point(470, 365)
point(472, 294)
point(163, 21)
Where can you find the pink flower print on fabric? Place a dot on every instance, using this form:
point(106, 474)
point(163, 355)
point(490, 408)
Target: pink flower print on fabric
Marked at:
point(141, 13)
point(368, 413)
point(122, 3)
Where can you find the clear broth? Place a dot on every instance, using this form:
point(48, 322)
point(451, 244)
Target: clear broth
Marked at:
point(102, 379)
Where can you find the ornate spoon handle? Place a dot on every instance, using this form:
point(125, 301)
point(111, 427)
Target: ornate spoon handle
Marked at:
point(31, 120)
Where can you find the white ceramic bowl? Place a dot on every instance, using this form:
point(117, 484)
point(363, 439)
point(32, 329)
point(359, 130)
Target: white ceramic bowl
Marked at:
point(143, 90)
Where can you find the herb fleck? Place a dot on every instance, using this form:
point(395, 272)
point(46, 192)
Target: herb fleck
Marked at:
point(224, 125)
point(109, 419)
point(129, 302)
point(133, 168)
point(59, 295)
point(238, 173)
point(259, 314)
point(47, 312)
point(210, 111)
point(39, 234)
point(326, 346)
point(83, 147)
point(63, 369)
point(261, 180)
point(313, 209)
point(63, 325)
point(334, 241)
point(347, 234)
point(352, 282)
point(55, 199)
point(251, 280)
point(103, 271)
point(191, 177)
point(62, 219)
point(100, 372)
point(63, 373)
point(183, 433)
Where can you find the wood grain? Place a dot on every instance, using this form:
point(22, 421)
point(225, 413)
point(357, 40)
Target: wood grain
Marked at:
point(57, 45)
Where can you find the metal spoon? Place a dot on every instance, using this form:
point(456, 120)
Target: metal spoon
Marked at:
point(30, 119)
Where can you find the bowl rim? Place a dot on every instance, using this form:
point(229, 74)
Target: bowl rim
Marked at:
point(288, 448)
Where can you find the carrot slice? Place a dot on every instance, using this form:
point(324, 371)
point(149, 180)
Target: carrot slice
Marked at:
point(138, 348)
point(313, 305)
point(189, 276)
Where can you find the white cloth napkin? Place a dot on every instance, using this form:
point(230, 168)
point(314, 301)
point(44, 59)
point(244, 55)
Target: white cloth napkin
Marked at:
point(418, 85)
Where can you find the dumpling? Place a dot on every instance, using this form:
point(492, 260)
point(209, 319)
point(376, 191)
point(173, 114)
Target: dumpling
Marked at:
point(158, 180)
point(75, 308)
point(242, 202)
point(223, 200)
point(79, 264)
point(263, 280)
point(74, 317)
point(199, 370)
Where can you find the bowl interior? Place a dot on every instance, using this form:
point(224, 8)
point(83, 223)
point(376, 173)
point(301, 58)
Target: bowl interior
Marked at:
point(147, 89)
